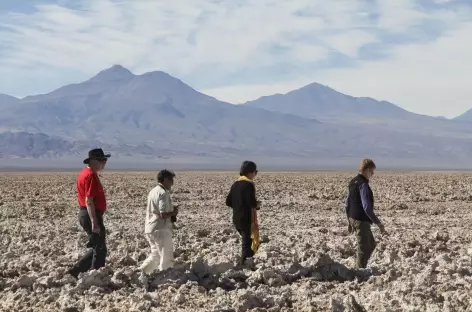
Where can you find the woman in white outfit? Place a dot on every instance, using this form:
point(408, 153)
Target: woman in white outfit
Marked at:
point(158, 226)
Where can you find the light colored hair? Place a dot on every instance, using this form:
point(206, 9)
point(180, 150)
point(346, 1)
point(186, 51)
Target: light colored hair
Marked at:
point(367, 164)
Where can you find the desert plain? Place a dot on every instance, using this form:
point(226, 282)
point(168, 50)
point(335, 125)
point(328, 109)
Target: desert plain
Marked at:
point(305, 262)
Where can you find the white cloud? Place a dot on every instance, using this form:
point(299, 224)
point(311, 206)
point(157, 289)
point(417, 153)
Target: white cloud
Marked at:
point(179, 37)
point(229, 34)
point(432, 78)
point(310, 53)
point(207, 41)
point(399, 15)
point(350, 41)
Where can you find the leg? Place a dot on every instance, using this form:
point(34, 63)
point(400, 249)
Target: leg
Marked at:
point(246, 242)
point(83, 265)
point(244, 229)
point(152, 262)
point(85, 261)
point(166, 248)
point(99, 245)
point(364, 243)
point(238, 228)
point(372, 243)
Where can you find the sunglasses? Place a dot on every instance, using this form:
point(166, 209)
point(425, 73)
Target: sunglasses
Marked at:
point(101, 159)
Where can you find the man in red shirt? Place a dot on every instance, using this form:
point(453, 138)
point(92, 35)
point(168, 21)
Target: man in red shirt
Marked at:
point(92, 202)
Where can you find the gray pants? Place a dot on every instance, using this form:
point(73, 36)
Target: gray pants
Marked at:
point(365, 241)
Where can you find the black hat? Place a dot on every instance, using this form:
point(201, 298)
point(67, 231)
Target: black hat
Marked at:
point(97, 154)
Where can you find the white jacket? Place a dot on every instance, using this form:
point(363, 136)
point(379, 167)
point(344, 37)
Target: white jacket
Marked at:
point(158, 201)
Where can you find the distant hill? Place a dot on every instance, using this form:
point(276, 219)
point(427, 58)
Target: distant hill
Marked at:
point(465, 117)
point(7, 100)
point(155, 115)
point(117, 107)
point(37, 145)
point(330, 106)
point(321, 102)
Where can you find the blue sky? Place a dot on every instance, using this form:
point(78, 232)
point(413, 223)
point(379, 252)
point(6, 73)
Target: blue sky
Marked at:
point(415, 53)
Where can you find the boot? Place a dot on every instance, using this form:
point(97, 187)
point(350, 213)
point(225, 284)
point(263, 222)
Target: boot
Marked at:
point(73, 272)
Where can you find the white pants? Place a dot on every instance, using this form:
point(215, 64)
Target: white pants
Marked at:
point(162, 251)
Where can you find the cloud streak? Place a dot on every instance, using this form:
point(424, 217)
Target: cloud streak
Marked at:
point(238, 50)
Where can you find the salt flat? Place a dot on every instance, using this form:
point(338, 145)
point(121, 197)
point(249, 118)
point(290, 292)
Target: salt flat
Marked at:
point(304, 263)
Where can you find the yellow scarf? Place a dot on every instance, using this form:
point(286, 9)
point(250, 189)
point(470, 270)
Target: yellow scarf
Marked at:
point(254, 222)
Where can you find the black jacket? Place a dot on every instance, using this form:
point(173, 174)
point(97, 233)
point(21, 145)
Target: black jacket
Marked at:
point(242, 198)
point(354, 207)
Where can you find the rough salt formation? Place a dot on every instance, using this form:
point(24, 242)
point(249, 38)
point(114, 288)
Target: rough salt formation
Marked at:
point(304, 263)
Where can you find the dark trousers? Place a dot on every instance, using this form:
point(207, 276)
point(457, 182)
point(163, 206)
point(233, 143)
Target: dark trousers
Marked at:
point(244, 230)
point(94, 258)
point(365, 242)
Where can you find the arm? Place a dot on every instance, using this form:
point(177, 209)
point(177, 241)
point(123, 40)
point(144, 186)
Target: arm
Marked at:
point(346, 202)
point(367, 203)
point(90, 189)
point(163, 209)
point(250, 194)
point(229, 201)
point(92, 214)
point(349, 227)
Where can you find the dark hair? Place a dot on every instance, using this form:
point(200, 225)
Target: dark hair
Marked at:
point(247, 167)
point(163, 174)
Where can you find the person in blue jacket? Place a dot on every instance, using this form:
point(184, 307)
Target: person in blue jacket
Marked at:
point(360, 212)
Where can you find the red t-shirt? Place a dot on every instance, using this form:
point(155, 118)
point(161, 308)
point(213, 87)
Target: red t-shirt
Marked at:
point(88, 185)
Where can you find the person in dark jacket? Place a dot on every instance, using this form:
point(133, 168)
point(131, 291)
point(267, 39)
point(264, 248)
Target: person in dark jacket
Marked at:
point(242, 199)
point(360, 212)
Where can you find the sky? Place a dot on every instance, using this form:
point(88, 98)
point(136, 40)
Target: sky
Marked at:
point(414, 53)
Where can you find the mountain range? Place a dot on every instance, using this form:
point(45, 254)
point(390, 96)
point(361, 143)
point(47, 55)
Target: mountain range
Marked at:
point(155, 118)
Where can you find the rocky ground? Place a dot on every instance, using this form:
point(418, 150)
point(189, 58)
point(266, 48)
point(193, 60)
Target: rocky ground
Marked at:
point(304, 264)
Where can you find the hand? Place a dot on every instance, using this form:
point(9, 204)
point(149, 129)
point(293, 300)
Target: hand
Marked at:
point(382, 229)
point(95, 227)
point(258, 205)
point(164, 215)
